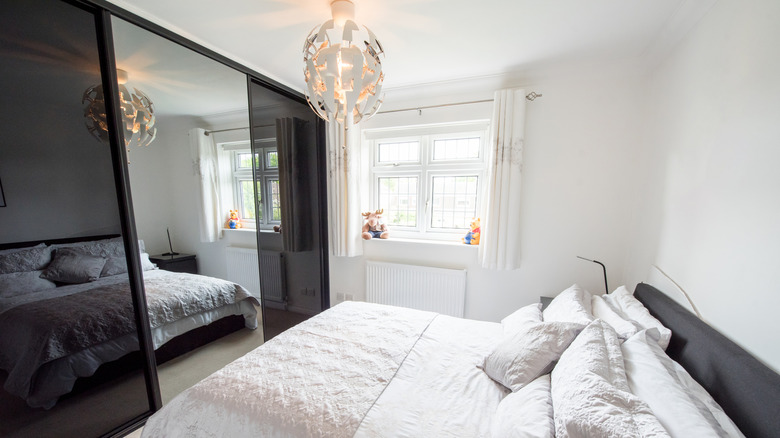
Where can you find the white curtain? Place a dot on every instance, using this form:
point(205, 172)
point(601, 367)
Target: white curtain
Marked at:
point(206, 167)
point(344, 219)
point(499, 246)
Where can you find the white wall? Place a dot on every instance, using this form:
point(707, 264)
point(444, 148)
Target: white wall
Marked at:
point(577, 183)
point(166, 193)
point(709, 214)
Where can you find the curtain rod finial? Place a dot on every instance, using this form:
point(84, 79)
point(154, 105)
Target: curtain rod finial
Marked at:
point(532, 96)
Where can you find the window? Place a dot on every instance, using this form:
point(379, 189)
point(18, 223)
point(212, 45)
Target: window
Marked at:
point(267, 208)
point(428, 180)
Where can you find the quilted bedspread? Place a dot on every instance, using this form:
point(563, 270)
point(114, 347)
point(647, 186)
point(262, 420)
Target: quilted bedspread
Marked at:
point(317, 379)
point(40, 331)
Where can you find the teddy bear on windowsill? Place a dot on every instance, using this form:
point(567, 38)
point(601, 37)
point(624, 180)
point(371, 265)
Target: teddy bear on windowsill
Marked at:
point(233, 222)
point(472, 237)
point(373, 228)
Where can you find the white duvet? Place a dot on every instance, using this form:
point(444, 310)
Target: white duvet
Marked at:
point(347, 373)
point(368, 370)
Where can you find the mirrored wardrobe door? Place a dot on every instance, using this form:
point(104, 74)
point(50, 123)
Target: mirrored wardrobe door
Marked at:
point(69, 359)
point(289, 149)
point(185, 174)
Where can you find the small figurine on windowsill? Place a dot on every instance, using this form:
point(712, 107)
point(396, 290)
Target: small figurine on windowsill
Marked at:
point(234, 222)
point(373, 228)
point(472, 237)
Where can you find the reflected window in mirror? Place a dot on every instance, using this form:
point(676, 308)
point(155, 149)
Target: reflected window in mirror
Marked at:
point(260, 202)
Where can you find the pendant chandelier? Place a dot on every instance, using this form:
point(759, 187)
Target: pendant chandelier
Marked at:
point(342, 67)
point(137, 113)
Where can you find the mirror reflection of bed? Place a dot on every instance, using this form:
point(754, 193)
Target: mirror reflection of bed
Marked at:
point(44, 352)
point(79, 331)
point(189, 91)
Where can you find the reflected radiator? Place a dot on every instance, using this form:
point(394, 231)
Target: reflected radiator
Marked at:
point(243, 268)
point(417, 287)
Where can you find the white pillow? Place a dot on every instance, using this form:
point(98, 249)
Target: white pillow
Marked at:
point(13, 250)
point(25, 260)
point(527, 413)
point(571, 305)
point(529, 353)
point(590, 392)
point(72, 267)
point(521, 318)
point(648, 368)
point(601, 310)
point(20, 283)
point(116, 265)
point(105, 248)
point(147, 264)
point(703, 396)
point(623, 301)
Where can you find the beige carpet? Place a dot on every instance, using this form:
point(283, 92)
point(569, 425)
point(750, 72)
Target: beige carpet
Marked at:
point(180, 373)
point(98, 410)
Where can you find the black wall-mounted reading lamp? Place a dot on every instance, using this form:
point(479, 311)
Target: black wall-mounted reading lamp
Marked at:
point(604, 268)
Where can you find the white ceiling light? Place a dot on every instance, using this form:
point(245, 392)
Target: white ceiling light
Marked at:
point(137, 113)
point(343, 69)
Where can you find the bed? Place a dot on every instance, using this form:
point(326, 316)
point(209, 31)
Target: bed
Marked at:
point(66, 309)
point(584, 366)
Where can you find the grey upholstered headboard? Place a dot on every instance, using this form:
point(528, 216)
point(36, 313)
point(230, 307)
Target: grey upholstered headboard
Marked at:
point(748, 390)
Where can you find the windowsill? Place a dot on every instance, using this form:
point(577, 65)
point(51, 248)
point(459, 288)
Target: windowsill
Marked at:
point(246, 230)
point(419, 242)
point(239, 230)
point(391, 240)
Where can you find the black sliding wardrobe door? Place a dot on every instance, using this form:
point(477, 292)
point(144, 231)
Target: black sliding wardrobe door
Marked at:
point(293, 256)
point(61, 182)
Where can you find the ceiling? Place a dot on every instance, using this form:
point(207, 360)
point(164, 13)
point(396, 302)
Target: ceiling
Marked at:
point(432, 40)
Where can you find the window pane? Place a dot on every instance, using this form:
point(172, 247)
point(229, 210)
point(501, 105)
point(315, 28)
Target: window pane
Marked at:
point(259, 202)
point(399, 152)
point(272, 158)
point(456, 149)
point(454, 201)
point(276, 201)
point(248, 200)
point(245, 160)
point(398, 198)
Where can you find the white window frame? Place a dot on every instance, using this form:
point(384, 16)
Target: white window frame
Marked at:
point(425, 169)
point(264, 174)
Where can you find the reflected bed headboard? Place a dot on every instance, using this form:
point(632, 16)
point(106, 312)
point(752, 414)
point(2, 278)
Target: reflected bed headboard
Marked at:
point(748, 390)
point(13, 245)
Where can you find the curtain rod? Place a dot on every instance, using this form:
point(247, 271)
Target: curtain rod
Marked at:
point(530, 96)
point(237, 129)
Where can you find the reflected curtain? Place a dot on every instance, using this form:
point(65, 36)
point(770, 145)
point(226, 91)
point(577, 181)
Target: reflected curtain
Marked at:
point(294, 147)
point(499, 246)
point(206, 167)
point(345, 220)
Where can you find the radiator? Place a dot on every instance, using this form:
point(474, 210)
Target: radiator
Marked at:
point(272, 278)
point(243, 268)
point(418, 287)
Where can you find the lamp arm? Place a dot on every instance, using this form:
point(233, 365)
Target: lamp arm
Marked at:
point(603, 268)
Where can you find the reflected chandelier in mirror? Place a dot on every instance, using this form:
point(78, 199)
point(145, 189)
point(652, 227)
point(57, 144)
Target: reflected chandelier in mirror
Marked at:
point(137, 113)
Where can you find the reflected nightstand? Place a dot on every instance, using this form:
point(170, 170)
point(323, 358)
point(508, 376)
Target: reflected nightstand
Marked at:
point(176, 263)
